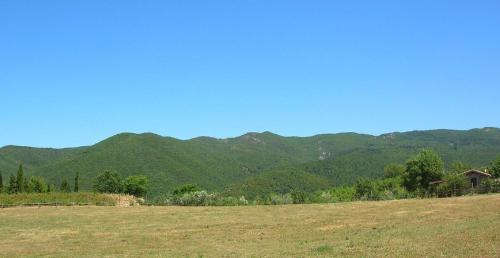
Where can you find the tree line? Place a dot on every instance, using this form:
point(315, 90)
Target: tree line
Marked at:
point(106, 182)
point(423, 175)
point(111, 182)
point(20, 183)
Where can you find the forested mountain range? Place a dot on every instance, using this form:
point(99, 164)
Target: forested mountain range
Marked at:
point(253, 163)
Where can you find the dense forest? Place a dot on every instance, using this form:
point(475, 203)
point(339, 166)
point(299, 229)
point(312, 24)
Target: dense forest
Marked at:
point(252, 164)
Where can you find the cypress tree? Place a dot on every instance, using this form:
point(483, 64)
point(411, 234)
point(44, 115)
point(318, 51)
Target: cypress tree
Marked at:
point(12, 185)
point(77, 177)
point(1, 182)
point(20, 179)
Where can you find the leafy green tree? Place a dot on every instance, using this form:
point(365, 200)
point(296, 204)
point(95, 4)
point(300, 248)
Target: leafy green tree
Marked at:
point(495, 167)
point(187, 188)
point(65, 186)
point(20, 179)
point(12, 184)
point(394, 170)
point(136, 185)
point(108, 182)
point(77, 178)
point(422, 169)
point(458, 167)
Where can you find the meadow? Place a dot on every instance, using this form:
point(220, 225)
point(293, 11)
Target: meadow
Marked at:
point(462, 226)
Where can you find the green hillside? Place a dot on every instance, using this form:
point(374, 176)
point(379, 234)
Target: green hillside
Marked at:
point(252, 163)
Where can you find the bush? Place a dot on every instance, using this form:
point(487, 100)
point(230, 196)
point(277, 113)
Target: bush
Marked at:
point(495, 167)
point(187, 188)
point(453, 185)
point(37, 184)
point(489, 186)
point(136, 185)
point(198, 198)
point(230, 201)
point(280, 199)
point(274, 199)
point(299, 197)
point(337, 194)
point(382, 189)
point(65, 186)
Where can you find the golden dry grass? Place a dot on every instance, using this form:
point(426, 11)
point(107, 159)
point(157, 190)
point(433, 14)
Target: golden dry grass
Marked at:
point(463, 227)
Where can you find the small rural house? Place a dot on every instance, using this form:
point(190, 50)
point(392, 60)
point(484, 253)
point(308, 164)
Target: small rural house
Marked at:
point(475, 176)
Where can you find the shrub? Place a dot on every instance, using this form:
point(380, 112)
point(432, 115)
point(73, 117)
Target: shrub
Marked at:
point(280, 199)
point(65, 186)
point(198, 198)
point(383, 189)
point(298, 197)
point(338, 194)
point(495, 167)
point(136, 185)
point(230, 201)
point(453, 185)
point(489, 186)
point(187, 188)
point(37, 184)
point(365, 189)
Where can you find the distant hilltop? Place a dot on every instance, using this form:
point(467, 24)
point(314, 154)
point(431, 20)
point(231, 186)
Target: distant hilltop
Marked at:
point(217, 164)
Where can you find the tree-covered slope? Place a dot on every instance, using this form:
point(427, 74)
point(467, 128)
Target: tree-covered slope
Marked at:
point(252, 160)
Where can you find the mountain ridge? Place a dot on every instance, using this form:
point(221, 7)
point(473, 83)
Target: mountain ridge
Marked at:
point(218, 164)
point(487, 128)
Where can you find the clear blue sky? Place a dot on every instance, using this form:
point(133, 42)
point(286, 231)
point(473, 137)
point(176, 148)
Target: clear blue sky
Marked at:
point(75, 72)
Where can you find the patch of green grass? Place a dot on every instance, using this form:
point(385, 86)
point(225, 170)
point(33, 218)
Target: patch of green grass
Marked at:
point(323, 249)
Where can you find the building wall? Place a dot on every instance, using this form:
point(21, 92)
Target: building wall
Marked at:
point(477, 177)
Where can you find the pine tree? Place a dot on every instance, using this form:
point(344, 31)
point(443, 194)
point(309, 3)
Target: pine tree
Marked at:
point(77, 177)
point(12, 185)
point(20, 179)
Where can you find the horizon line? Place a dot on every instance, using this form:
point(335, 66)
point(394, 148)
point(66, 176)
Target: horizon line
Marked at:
point(247, 133)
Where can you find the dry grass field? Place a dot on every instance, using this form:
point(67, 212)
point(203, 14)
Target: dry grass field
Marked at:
point(463, 227)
